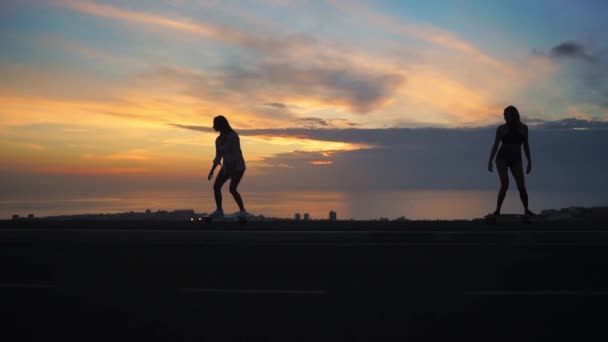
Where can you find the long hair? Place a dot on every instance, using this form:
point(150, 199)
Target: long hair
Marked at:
point(222, 124)
point(515, 120)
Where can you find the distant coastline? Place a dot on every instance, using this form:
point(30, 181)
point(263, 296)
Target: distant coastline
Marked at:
point(359, 205)
point(599, 213)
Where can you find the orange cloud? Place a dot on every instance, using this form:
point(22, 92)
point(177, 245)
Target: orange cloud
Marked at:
point(178, 24)
point(133, 155)
point(306, 144)
point(319, 162)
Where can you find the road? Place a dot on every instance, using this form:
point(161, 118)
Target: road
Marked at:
point(303, 281)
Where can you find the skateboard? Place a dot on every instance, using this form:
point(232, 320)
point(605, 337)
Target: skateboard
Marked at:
point(227, 218)
point(507, 219)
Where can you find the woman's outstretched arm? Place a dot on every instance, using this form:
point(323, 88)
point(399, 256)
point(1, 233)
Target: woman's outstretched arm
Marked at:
point(216, 161)
point(494, 149)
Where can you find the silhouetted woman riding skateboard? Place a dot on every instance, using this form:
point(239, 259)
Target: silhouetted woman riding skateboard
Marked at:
point(513, 135)
point(227, 151)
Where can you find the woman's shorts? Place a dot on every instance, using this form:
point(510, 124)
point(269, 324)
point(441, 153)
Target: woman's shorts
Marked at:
point(509, 157)
point(231, 172)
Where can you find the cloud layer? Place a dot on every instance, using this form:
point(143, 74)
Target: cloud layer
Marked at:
point(564, 157)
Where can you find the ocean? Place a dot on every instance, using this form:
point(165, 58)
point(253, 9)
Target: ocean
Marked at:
point(359, 205)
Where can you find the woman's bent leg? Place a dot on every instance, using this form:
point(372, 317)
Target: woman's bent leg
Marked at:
point(217, 189)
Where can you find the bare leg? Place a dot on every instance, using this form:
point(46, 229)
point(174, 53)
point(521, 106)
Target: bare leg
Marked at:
point(518, 174)
point(503, 174)
point(234, 183)
point(217, 188)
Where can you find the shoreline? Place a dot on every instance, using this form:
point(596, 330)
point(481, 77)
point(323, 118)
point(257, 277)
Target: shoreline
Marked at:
point(596, 214)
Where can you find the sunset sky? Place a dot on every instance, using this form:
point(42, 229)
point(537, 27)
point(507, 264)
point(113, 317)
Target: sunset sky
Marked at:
point(323, 93)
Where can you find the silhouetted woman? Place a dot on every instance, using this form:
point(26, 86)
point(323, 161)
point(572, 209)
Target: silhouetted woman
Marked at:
point(228, 152)
point(513, 135)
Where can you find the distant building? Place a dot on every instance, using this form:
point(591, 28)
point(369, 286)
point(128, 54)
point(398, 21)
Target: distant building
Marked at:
point(333, 216)
point(161, 213)
point(298, 217)
point(306, 217)
point(30, 216)
point(184, 212)
point(16, 217)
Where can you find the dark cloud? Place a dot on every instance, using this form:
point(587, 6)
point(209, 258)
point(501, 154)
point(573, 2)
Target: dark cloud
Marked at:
point(194, 128)
point(404, 136)
point(389, 136)
point(276, 105)
point(313, 122)
point(532, 121)
point(566, 124)
point(571, 49)
point(288, 65)
point(564, 160)
point(346, 122)
point(565, 157)
point(320, 123)
point(565, 154)
point(344, 85)
point(574, 123)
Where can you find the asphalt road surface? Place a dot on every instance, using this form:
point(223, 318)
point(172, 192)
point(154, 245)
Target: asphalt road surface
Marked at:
point(108, 281)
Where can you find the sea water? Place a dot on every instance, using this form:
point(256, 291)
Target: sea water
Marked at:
point(359, 205)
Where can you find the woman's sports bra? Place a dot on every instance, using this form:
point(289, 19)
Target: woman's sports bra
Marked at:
point(513, 136)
